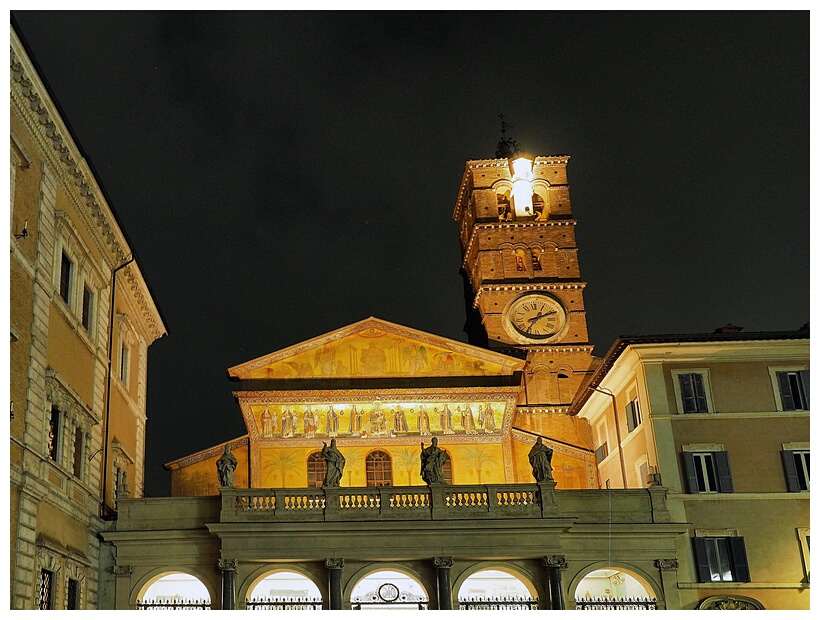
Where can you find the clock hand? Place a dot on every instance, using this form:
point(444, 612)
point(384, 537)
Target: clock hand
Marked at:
point(540, 316)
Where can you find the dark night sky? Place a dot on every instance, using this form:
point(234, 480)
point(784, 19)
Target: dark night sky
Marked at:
point(282, 175)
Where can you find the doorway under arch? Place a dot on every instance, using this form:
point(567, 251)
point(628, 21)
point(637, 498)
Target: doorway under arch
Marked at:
point(497, 588)
point(388, 589)
point(284, 590)
point(614, 588)
point(174, 590)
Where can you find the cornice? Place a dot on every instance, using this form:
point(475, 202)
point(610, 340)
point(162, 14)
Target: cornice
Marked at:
point(523, 288)
point(30, 98)
point(482, 226)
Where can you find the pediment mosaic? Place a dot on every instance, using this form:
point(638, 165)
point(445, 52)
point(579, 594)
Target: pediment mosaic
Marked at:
point(377, 348)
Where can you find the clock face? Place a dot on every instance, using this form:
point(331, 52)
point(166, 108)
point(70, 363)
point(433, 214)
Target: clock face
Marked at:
point(536, 317)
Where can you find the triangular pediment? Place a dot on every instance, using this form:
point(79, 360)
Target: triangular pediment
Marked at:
point(377, 348)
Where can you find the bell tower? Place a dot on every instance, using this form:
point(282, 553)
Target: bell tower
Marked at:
point(522, 283)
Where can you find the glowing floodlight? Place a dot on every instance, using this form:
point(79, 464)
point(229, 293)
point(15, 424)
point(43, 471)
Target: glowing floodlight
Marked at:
point(522, 187)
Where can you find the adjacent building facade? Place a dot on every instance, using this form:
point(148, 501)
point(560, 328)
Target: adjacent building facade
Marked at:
point(77, 363)
point(722, 421)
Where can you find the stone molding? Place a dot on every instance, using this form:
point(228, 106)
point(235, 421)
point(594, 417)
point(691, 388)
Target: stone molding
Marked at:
point(555, 561)
point(227, 565)
point(667, 564)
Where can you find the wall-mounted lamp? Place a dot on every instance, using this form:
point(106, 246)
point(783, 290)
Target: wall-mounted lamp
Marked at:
point(23, 233)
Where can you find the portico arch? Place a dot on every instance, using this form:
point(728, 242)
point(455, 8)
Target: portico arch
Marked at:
point(175, 587)
point(496, 583)
point(386, 586)
point(283, 587)
point(613, 583)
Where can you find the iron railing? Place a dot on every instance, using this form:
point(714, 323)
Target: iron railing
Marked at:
point(284, 604)
point(172, 604)
point(498, 604)
point(616, 603)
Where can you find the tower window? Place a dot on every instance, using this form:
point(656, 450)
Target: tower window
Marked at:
point(379, 469)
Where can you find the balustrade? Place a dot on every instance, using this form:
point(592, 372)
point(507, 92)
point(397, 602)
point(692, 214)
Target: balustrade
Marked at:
point(340, 504)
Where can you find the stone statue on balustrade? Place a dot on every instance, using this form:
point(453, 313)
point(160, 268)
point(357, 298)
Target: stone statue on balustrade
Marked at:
point(335, 464)
point(225, 467)
point(432, 463)
point(541, 461)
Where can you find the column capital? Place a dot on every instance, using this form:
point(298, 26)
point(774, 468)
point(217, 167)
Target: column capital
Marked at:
point(443, 561)
point(227, 565)
point(667, 564)
point(122, 571)
point(555, 561)
point(334, 563)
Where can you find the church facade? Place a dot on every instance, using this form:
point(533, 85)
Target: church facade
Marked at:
point(381, 392)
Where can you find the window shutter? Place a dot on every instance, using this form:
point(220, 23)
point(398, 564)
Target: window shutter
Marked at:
point(701, 561)
point(740, 565)
point(630, 416)
point(792, 481)
point(700, 393)
point(786, 398)
point(687, 394)
point(724, 474)
point(804, 380)
point(691, 475)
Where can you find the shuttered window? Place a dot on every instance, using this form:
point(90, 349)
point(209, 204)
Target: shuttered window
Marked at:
point(707, 472)
point(796, 467)
point(721, 558)
point(793, 386)
point(633, 415)
point(693, 393)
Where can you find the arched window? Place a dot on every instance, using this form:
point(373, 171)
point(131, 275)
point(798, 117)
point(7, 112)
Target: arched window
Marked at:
point(447, 469)
point(316, 469)
point(379, 469)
